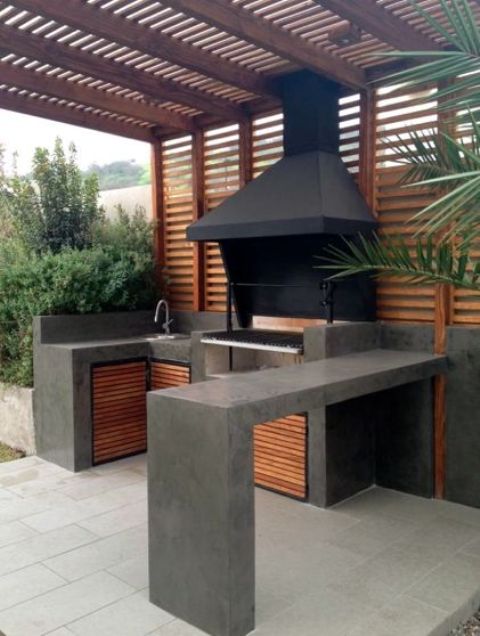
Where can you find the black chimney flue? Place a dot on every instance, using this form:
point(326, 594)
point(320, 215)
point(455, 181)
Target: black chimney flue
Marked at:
point(311, 121)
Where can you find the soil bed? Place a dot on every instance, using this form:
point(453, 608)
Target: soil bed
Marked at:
point(7, 454)
point(469, 628)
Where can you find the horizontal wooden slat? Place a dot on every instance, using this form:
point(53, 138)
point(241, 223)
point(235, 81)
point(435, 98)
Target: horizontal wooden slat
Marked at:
point(280, 455)
point(119, 410)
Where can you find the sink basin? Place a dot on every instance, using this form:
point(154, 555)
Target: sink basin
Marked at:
point(166, 336)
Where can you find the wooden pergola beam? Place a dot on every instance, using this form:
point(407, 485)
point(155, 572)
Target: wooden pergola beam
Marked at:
point(245, 25)
point(105, 24)
point(67, 115)
point(374, 19)
point(43, 84)
point(36, 47)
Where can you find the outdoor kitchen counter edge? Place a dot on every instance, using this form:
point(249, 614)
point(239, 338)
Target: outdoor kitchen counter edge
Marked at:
point(136, 346)
point(333, 380)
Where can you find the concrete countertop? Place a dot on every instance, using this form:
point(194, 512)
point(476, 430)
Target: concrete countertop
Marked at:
point(136, 345)
point(339, 379)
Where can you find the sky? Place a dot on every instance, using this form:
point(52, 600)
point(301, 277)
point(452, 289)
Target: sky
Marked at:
point(23, 133)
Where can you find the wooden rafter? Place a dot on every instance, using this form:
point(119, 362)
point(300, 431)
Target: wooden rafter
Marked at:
point(105, 24)
point(252, 28)
point(384, 25)
point(49, 51)
point(46, 110)
point(43, 84)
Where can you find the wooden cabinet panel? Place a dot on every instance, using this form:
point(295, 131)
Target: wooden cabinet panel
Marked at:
point(280, 455)
point(119, 410)
point(166, 375)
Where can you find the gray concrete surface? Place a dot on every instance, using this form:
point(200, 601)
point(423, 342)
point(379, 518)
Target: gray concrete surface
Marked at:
point(65, 347)
point(201, 517)
point(463, 416)
point(73, 560)
point(16, 418)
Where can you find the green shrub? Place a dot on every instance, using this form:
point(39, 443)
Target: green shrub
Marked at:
point(59, 255)
point(70, 282)
point(54, 207)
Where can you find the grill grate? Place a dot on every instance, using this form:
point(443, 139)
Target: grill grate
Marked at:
point(258, 338)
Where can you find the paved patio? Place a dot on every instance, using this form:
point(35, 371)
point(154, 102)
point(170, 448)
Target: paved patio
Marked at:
point(73, 560)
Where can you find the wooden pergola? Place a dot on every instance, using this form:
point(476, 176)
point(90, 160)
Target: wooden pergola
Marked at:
point(198, 80)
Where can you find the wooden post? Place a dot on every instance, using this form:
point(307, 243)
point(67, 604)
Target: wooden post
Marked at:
point(444, 296)
point(246, 152)
point(442, 312)
point(367, 146)
point(158, 210)
point(198, 184)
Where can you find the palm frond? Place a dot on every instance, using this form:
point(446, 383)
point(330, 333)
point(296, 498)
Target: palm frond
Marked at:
point(425, 263)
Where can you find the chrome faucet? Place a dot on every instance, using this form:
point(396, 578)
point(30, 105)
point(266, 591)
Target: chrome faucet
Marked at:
point(166, 325)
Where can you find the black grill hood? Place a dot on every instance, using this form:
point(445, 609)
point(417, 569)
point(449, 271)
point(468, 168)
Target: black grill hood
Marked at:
point(309, 191)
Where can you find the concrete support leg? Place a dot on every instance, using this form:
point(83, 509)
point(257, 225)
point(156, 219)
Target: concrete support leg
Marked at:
point(201, 515)
point(317, 458)
point(404, 439)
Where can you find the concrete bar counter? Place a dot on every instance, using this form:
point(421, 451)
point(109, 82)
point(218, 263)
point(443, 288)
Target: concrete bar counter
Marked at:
point(201, 490)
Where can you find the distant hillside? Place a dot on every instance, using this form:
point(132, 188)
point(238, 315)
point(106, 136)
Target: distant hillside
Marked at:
point(120, 174)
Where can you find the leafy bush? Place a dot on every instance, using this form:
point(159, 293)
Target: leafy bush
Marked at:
point(47, 267)
point(70, 282)
point(56, 206)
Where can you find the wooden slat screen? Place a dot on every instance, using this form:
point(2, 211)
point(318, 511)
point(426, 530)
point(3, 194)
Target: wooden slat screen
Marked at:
point(465, 308)
point(267, 142)
point(166, 375)
point(222, 179)
point(397, 112)
point(349, 116)
point(280, 455)
point(178, 214)
point(119, 410)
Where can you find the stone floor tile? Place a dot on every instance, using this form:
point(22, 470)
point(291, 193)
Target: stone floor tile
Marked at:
point(52, 482)
point(370, 536)
point(64, 605)
point(133, 571)
point(22, 585)
point(29, 474)
point(63, 631)
point(117, 520)
point(366, 590)
point(178, 628)
point(395, 568)
point(22, 508)
point(473, 547)
point(74, 511)
point(293, 571)
point(458, 512)
point(102, 554)
point(313, 524)
point(389, 503)
point(14, 532)
point(326, 613)
point(403, 617)
point(453, 584)
point(441, 537)
point(127, 463)
point(20, 464)
point(43, 546)
point(93, 485)
point(6, 495)
point(130, 616)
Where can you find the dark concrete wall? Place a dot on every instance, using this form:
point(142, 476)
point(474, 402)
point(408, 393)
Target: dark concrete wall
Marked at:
point(463, 416)
point(463, 402)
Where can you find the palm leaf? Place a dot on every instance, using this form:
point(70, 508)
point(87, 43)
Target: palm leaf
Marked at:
point(392, 257)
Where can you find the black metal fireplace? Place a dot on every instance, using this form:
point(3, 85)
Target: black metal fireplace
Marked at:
point(273, 231)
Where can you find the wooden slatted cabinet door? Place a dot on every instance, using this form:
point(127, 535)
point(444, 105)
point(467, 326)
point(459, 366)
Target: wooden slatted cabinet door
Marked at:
point(119, 410)
point(280, 455)
point(166, 375)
